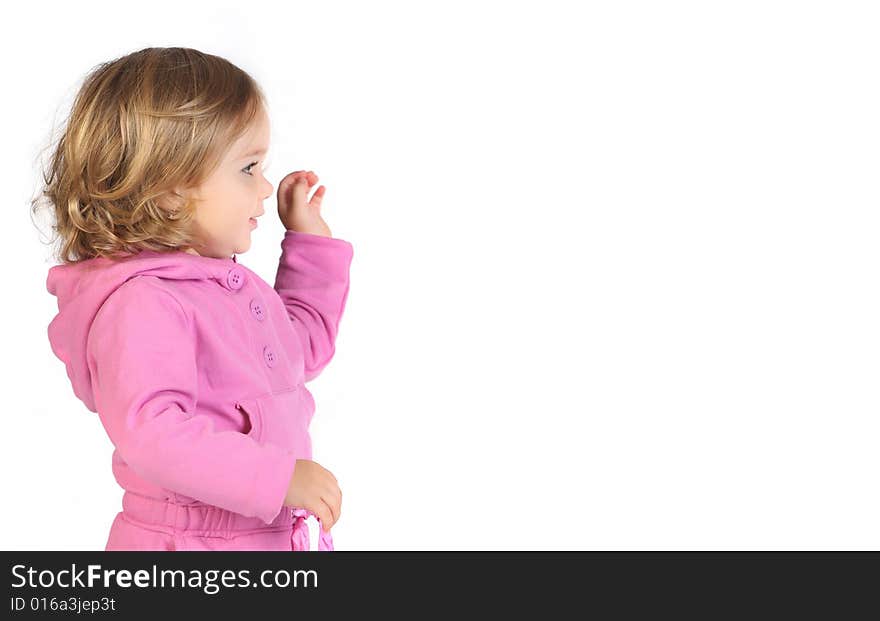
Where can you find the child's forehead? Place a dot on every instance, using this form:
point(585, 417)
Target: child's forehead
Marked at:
point(254, 141)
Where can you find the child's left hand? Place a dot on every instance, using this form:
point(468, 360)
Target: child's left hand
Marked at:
point(296, 211)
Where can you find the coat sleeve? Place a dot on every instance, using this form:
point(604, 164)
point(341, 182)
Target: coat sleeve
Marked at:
point(142, 356)
point(313, 281)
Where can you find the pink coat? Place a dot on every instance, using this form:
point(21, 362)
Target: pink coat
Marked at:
point(197, 370)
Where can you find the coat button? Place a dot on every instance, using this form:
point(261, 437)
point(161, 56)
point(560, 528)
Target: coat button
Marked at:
point(269, 356)
point(235, 278)
point(257, 310)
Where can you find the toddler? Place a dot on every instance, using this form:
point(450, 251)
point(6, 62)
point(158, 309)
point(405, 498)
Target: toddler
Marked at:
point(195, 366)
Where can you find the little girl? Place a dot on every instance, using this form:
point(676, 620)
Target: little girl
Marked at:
point(194, 364)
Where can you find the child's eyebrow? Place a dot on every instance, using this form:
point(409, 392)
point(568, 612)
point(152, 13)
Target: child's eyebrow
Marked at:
point(257, 152)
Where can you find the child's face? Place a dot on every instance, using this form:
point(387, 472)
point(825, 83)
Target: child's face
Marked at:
point(233, 195)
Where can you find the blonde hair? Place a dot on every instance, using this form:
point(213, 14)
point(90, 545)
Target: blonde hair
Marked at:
point(140, 126)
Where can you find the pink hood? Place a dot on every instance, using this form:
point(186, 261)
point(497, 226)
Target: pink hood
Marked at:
point(81, 289)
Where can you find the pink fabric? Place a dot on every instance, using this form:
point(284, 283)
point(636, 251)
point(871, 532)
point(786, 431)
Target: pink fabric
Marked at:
point(152, 524)
point(299, 537)
point(197, 368)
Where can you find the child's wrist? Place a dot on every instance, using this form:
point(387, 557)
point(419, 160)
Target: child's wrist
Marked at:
point(309, 232)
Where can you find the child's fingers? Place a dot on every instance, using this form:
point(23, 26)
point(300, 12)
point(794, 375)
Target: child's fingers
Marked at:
point(288, 183)
point(333, 497)
point(300, 182)
point(294, 177)
point(326, 515)
point(317, 196)
point(301, 189)
point(290, 178)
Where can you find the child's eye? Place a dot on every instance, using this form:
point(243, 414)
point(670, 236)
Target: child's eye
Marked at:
point(247, 169)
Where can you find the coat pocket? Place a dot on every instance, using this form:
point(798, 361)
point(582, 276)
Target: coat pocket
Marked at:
point(282, 418)
point(250, 409)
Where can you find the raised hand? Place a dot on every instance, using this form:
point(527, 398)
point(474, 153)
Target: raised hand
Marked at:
point(296, 211)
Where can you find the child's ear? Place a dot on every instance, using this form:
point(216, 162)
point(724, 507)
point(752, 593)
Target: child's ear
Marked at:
point(174, 200)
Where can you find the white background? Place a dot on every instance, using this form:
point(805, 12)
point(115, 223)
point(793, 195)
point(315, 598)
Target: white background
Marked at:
point(615, 266)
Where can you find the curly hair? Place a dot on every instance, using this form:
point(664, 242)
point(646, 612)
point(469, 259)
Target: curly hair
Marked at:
point(141, 126)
